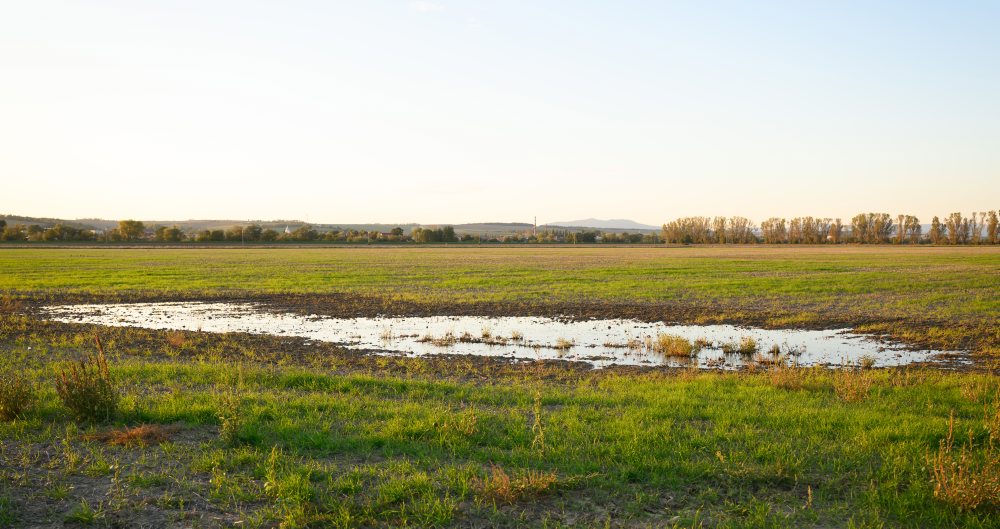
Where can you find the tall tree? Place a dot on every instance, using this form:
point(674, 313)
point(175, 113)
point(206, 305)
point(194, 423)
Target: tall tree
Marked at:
point(836, 231)
point(936, 234)
point(992, 228)
point(958, 228)
point(774, 230)
point(719, 229)
point(131, 230)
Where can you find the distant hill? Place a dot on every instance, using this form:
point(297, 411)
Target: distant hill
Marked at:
point(475, 228)
point(610, 224)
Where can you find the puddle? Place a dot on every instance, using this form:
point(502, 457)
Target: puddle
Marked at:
point(600, 343)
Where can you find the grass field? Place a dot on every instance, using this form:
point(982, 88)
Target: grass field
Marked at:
point(251, 431)
point(946, 297)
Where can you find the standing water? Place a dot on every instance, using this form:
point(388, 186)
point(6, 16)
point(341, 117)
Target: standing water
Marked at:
point(600, 343)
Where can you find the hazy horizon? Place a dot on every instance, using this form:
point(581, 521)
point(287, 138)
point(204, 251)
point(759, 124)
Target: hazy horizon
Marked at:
point(459, 112)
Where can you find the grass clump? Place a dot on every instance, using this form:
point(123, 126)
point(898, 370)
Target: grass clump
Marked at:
point(790, 377)
point(84, 514)
point(17, 395)
point(10, 305)
point(564, 344)
point(852, 385)
point(966, 478)
point(499, 486)
point(747, 346)
point(8, 514)
point(672, 345)
point(87, 388)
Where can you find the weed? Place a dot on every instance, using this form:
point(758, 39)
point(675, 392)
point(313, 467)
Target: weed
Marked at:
point(516, 336)
point(965, 478)
point(499, 486)
point(83, 513)
point(486, 332)
point(563, 344)
point(17, 395)
point(866, 362)
point(538, 441)
point(87, 389)
point(466, 423)
point(232, 417)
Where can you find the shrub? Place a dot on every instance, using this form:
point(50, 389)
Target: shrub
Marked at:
point(17, 395)
point(87, 389)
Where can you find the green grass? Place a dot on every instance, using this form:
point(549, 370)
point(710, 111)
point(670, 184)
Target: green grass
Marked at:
point(273, 431)
point(311, 447)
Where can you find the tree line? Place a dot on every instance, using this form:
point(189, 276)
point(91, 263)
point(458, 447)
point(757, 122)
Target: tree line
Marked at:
point(864, 228)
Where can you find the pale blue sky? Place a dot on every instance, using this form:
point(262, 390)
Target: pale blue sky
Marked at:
point(449, 111)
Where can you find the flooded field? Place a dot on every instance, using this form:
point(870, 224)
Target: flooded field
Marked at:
point(600, 343)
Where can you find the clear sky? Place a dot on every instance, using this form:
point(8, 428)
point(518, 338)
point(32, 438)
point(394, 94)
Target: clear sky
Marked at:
point(456, 111)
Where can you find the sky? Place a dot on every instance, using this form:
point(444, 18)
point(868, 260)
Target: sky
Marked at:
point(447, 111)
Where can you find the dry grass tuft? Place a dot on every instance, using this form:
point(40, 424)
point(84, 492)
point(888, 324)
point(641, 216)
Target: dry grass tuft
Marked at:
point(176, 339)
point(852, 385)
point(10, 305)
point(747, 346)
point(563, 344)
point(991, 419)
point(964, 477)
point(788, 377)
point(501, 487)
point(671, 345)
point(447, 340)
point(143, 435)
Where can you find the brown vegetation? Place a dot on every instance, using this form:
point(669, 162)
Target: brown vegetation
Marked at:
point(143, 435)
point(964, 477)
